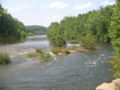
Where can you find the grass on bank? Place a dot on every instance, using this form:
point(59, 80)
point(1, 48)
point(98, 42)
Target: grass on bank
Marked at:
point(65, 51)
point(59, 51)
point(115, 69)
point(40, 53)
point(89, 42)
point(4, 58)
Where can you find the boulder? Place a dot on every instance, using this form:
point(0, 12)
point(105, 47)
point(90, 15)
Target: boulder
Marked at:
point(106, 86)
point(109, 86)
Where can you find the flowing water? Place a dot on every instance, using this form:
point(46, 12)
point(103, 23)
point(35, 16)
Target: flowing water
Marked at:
point(80, 71)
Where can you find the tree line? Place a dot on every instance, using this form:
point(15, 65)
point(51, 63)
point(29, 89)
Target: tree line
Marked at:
point(102, 24)
point(10, 28)
point(35, 29)
point(75, 29)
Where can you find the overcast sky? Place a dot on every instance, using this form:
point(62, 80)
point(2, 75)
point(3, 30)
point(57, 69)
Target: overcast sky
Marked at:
point(43, 12)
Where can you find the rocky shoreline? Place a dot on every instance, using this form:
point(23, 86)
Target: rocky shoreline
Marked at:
point(110, 86)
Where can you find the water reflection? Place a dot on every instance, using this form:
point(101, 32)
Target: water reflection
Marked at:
point(31, 43)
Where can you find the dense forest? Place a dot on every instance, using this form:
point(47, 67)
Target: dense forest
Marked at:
point(10, 28)
point(35, 29)
point(101, 25)
point(74, 29)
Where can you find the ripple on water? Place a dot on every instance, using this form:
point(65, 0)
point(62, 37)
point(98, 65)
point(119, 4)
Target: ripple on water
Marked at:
point(72, 72)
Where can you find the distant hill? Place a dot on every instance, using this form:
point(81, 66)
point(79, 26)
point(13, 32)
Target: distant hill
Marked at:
point(36, 29)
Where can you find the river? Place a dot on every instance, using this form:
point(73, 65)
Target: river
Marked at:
point(78, 71)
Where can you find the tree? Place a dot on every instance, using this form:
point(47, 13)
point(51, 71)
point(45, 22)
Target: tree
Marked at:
point(88, 41)
point(36, 29)
point(55, 35)
point(10, 28)
point(117, 0)
point(95, 24)
point(115, 28)
point(102, 23)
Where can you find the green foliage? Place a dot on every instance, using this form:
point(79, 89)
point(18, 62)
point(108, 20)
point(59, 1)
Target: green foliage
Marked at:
point(45, 57)
point(115, 62)
point(114, 33)
point(89, 41)
point(4, 58)
point(58, 50)
point(66, 52)
point(55, 35)
point(35, 29)
point(74, 29)
point(29, 34)
point(32, 54)
point(115, 28)
point(74, 41)
point(69, 26)
point(10, 28)
point(117, 0)
point(85, 89)
point(97, 23)
point(39, 52)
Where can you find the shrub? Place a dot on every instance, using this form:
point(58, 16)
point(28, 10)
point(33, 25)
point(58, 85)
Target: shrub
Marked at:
point(115, 66)
point(4, 58)
point(32, 54)
point(89, 41)
point(56, 35)
point(56, 50)
point(45, 57)
point(39, 50)
point(66, 52)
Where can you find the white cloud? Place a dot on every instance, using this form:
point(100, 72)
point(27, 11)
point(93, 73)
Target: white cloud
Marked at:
point(83, 6)
point(58, 5)
point(105, 3)
point(17, 9)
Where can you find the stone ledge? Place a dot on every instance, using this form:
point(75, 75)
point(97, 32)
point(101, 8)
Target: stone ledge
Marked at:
point(109, 86)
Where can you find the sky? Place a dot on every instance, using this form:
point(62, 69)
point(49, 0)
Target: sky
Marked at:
point(43, 12)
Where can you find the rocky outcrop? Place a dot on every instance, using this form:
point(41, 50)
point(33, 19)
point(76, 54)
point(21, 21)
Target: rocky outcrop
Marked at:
point(109, 86)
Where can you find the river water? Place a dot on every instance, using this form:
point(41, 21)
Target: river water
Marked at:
point(80, 71)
